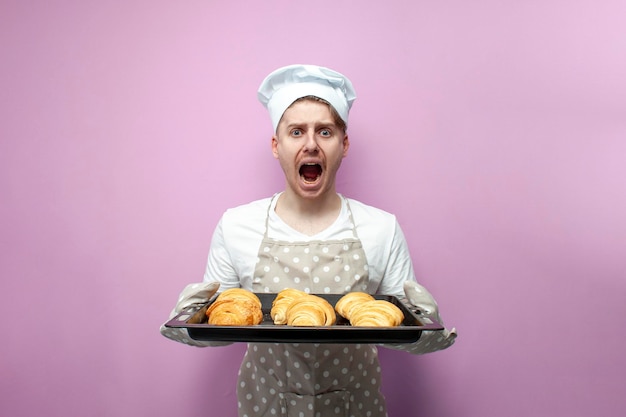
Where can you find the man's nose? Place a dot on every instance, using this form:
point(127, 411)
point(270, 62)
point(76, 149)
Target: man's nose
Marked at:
point(311, 142)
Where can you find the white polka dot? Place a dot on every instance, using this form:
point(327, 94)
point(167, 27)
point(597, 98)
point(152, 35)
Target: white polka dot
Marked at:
point(286, 249)
point(316, 258)
point(306, 269)
point(326, 268)
point(356, 256)
point(346, 267)
point(266, 249)
point(286, 269)
point(296, 260)
point(276, 279)
point(325, 249)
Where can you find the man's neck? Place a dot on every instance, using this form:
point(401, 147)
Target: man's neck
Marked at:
point(308, 216)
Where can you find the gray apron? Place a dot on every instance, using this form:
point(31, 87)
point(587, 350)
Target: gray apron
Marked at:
point(310, 379)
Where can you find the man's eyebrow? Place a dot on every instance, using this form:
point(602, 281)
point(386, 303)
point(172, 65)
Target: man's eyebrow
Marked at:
point(317, 123)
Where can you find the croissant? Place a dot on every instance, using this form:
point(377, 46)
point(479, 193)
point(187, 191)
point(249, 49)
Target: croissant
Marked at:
point(281, 303)
point(239, 294)
point(376, 313)
point(235, 307)
point(310, 310)
point(363, 310)
point(350, 301)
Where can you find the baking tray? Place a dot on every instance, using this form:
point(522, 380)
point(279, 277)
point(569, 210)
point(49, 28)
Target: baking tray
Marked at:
point(195, 321)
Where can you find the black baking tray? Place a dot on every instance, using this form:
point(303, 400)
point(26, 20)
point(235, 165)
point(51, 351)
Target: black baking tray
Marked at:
point(195, 321)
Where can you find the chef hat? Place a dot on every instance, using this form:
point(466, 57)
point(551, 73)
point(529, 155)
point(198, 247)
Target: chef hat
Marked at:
point(287, 84)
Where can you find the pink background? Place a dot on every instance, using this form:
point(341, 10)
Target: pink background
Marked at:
point(494, 130)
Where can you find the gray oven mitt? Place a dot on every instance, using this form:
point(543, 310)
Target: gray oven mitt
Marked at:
point(193, 294)
point(430, 340)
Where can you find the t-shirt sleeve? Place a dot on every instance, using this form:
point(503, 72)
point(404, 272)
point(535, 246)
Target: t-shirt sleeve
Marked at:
point(219, 264)
point(399, 267)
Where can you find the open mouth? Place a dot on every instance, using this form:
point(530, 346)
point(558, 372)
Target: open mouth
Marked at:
point(310, 172)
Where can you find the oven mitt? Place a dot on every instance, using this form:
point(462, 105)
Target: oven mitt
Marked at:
point(193, 294)
point(430, 340)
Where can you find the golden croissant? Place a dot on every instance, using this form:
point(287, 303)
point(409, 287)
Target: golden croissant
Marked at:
point(235, 307)
point(363, 310)
point(239, 294)
point(350, 301)
point(310, 310)
point(281, 303)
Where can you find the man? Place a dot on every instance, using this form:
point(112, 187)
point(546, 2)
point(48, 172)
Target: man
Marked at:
point(311, 238)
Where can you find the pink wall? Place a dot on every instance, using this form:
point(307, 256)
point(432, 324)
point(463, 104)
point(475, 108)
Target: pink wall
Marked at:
point(496, 131)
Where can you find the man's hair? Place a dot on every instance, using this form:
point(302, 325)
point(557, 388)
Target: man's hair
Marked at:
point(336, 118)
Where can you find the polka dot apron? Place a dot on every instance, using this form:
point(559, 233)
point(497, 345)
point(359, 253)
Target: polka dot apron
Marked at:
point(309, 379)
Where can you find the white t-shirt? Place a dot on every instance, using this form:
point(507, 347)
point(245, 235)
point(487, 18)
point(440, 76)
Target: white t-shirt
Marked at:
point(238, 235)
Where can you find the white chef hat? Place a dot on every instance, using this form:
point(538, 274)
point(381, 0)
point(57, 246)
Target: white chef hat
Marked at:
point(287, 84)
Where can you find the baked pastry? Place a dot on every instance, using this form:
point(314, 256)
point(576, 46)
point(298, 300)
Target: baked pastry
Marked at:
point(363, 310)
point(376, 313)
point(350, 301)
point(310, 310)
point(281, 303)
point(239, 294)
point(235, 307)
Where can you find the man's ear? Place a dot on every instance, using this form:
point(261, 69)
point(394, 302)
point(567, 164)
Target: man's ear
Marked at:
point(346, 145)
point(275, 146)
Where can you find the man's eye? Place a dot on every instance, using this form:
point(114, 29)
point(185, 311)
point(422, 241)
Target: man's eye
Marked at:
point(325, 132)
point(296, 132)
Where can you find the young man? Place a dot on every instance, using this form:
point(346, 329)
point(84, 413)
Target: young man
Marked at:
point(311, 238)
